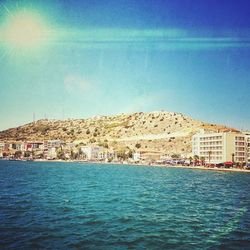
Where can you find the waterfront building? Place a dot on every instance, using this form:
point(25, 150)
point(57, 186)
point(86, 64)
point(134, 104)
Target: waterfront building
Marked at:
point(91, 152)
point(1, 146)
point(150, 155)
point(248, 149)
point(220, 147)
point(69, 145)
point(33, 145)
point(1, 149)
point(248, 146)
point(51, 153)
point(52, 143)
point(18, 146)
point(136, 156)
point(4, 148)
point(106, 154)
point(28, 146)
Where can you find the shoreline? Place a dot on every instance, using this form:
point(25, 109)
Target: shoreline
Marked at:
point(154, 165)
point(146, 165)
point(212, 169)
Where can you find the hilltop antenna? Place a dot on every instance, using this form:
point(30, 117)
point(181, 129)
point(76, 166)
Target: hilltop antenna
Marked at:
point(34, 117)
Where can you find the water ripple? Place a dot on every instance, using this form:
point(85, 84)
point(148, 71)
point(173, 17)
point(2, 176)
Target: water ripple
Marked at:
point(84, 206)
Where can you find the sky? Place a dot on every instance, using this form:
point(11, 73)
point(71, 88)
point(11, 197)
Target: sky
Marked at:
point(77, 59)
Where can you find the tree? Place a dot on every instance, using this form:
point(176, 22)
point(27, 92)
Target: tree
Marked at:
point(72, 155)
point(137, 145)
point(18, 154)
point(27, 154)
point(196, 159)
point(191, 160)
point(103, 144)
point(79, 153)
point(233, 157)
point(60, 154)
point(44, 129)
point(92, 140)
point(202, 160)
point(130, 153)
point(5, 154)
point(122, 154)
point(209, 156)
point(175, 156)
point(41, 155)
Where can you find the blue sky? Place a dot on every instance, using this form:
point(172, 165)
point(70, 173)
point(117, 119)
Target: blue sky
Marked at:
point(109, 57)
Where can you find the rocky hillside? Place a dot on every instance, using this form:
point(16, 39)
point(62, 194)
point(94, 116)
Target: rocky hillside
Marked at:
point(154, 132)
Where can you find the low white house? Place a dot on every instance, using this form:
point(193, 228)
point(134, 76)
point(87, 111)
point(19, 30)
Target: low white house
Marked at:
point(51, 153)
point(137, 156)
point(1, 146)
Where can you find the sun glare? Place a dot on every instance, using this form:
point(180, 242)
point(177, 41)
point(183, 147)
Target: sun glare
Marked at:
point(25, 31)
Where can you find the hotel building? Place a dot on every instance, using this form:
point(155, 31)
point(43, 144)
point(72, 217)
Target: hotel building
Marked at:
point(248, 147)
point(220, 147)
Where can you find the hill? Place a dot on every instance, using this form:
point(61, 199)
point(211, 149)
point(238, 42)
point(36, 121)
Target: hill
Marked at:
point(153, 132)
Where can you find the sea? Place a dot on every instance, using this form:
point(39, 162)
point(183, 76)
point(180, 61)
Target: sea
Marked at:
point(56, 205)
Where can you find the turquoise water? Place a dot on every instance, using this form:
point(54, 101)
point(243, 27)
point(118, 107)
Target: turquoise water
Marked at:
point(84, 206)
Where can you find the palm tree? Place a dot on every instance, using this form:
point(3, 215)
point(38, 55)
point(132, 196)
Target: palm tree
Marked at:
point(81, 155)
point(233, 157)
point(191, 160)
point(175, 156)
point(209, 156)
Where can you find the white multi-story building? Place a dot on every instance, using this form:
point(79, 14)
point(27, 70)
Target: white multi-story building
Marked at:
point(33, 145)
point(248, 146)
point(220, 147)
point(52, 143)
point(18, 146)
point(106, 154)
point(91, 152)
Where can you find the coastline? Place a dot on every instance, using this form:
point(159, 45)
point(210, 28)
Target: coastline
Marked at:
point(213, 169)
point(154, 165)
point(146, 165)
